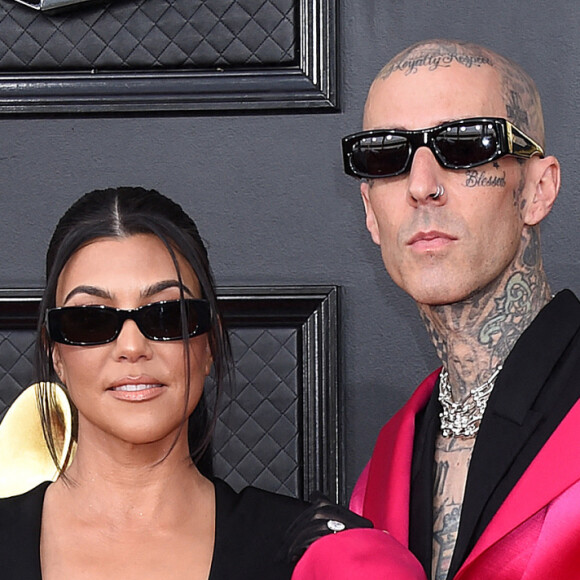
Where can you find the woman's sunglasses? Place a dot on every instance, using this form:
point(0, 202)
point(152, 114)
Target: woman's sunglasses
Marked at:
point(460, 144)
point(90, 325)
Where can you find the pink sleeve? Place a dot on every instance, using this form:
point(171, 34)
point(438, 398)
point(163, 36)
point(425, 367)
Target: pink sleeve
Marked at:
point(358, 554)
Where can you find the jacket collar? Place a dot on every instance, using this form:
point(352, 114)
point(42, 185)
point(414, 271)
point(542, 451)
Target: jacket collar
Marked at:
point(532, 395)
point(550, 474)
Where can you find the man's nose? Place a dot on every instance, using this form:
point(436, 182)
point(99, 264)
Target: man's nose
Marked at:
point(425, 177)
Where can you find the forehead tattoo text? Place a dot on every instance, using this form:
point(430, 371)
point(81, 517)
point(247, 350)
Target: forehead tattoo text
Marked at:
point(410, 64)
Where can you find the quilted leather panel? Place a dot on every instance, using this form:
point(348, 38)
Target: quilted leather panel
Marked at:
point(257, 439)
point(148, 34)
point(16, 364)
point(258, 434)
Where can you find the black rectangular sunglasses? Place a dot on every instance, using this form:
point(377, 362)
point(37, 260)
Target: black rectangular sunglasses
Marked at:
point(92, 325)
point(460, 144)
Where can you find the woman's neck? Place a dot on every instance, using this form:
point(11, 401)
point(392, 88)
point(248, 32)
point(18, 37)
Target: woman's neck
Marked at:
point(132, 483)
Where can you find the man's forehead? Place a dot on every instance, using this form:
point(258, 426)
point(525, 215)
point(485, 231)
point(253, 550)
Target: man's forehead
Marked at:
point(436, 55)
point(426, 96)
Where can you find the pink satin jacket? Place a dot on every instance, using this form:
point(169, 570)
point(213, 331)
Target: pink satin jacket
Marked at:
point(535, 535)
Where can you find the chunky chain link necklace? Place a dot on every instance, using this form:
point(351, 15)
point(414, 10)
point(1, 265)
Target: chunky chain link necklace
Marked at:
point(463, 418)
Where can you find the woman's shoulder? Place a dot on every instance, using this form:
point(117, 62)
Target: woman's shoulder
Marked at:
point(22, 510)
point(251, 533)
point(256, 507)
point(20, 521)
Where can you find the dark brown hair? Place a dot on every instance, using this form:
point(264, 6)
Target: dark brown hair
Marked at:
point(118, 213)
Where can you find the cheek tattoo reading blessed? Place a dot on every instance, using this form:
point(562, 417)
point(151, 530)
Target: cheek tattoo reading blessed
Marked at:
point(475, 178)
point(435, 61)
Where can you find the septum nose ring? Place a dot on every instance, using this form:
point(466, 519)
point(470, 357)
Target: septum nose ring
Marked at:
point(440, 191)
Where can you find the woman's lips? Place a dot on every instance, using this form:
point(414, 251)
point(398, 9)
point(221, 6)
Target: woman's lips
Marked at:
point(136, 389)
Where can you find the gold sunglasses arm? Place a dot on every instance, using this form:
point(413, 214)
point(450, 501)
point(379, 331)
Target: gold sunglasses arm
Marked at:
point(521, 144)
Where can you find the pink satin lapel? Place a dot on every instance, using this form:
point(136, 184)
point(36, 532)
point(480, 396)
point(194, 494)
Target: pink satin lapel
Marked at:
point(557, 553)
point(507, 559)
point(554, 470)
point(545, 546)
point(386, 498)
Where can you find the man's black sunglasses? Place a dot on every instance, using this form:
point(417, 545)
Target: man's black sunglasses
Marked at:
point(460, 144)
point(90, 325)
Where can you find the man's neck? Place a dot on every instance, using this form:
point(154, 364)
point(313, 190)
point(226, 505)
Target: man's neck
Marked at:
point(473, 337)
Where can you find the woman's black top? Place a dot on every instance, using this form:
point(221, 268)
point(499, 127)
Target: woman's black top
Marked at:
point(251, 528)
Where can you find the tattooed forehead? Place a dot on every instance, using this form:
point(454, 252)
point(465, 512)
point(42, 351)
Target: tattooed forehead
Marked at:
point(518, 91)
point(433, 57)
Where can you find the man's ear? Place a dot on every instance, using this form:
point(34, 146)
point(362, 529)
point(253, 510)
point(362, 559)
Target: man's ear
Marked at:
point(371, 221)
point(544, 179)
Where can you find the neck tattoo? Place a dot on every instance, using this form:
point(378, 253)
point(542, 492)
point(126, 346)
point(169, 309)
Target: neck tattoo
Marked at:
point(463, 418)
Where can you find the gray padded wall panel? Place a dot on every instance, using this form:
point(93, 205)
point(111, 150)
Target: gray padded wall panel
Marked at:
point(147, 35)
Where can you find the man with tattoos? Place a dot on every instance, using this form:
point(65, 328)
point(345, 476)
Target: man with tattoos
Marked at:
point(478, 475)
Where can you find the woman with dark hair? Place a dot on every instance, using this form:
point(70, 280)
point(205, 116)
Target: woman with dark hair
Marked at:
point(129, 327)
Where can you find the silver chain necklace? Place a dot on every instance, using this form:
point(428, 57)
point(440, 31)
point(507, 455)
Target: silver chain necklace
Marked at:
point(463, 418)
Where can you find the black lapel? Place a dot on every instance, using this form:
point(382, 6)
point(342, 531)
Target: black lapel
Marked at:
point(421, 501)
point(523, 411)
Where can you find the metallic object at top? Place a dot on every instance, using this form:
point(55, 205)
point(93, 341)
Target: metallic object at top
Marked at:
point(50, 4)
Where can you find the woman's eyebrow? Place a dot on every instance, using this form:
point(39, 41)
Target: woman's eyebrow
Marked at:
point(163, 285)
point(91, 290)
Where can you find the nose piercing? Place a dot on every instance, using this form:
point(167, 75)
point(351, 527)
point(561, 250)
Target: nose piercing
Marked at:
point(440, 191)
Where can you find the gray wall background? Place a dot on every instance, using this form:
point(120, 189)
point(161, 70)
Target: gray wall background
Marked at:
point(270, 197)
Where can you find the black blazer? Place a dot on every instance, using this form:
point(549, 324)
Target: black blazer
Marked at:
point(250, 530)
